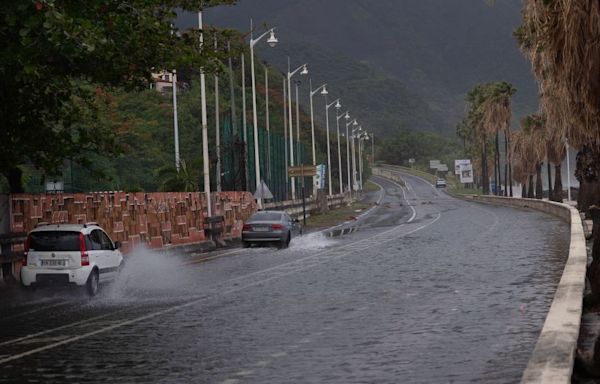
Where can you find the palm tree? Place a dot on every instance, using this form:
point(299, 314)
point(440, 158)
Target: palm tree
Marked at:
point(497, 115)
point(174, 180)
point(560, 39)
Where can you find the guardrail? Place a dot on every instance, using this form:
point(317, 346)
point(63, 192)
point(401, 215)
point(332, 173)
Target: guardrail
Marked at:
point(553, 357)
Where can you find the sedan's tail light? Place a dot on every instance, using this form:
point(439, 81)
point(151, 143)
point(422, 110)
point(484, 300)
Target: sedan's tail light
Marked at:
point(26, 250)
point(85, 259)
point(277, 227)
point(247, 227)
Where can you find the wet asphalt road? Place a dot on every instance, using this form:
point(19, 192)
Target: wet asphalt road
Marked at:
point(428, 289)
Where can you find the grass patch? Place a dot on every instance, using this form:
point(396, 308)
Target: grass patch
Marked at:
point(336, 216)
point(370, 187)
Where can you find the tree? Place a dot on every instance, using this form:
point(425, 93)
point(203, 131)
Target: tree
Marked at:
point(184, 179)
point(59, 61)
point(560, 39)
point(488, 113)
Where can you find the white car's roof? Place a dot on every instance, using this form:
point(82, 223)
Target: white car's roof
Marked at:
point(66, 227)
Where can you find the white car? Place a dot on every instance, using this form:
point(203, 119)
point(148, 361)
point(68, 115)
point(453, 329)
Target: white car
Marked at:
point(70, 254)
point(440, 183)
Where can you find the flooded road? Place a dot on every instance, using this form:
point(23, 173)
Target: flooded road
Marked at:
point(425, 289)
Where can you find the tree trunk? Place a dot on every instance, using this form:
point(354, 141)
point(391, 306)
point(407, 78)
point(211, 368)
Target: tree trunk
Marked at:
point(485, 181)
point(539, 189)
point(530, 188)
point(587, 172)
point(594, 268)
point(505, 164)
point(14, 176)
point(557, 194)
point(497, 166)
point(549, 180)
point(524, 190)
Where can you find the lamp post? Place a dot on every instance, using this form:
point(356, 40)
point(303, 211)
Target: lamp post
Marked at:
point(323, 89)
point(361, 142)
point(304, 71)
point(346, 116)
point(272, 41)
point(349, 139)
point(205, 158)
point(568, 171)
point(217, 129)
point(285, 138)
point(268, 124)
point(175, 123)
point(354, 176)
point(327, 106)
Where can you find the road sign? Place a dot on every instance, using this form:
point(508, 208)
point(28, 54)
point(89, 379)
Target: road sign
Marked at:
point(466, 173)
point(319, 178)
point(302, 170)
point(262, 192)
point(458, 163)
point(433, 164)
point(411, 161)
point(442, 168)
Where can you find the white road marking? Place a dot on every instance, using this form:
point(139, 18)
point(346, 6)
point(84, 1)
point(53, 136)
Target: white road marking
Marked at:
point(20, 339)
point(247, 372)
point(405, 199)
point(34, 310)
point(279, 354)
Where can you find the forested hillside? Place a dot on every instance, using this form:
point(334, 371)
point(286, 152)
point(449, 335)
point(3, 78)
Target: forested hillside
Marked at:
point(427, 53)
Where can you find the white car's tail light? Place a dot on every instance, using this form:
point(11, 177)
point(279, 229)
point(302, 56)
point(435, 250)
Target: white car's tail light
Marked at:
point(85, 259)
point(26, 250)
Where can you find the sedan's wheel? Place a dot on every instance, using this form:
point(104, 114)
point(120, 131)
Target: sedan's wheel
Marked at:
point(92, 284)
point(285, 243)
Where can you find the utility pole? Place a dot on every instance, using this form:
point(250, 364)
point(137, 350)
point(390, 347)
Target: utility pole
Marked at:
point(205, 156)
point(217, 129)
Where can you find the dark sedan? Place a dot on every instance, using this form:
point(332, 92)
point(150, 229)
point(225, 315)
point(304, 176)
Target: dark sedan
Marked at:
point(270, 227)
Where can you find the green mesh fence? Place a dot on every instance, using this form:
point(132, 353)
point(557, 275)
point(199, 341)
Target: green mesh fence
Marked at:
point(272, 161)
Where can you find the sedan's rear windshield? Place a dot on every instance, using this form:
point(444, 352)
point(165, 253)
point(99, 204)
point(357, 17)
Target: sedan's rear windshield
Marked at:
point(46, 241)
point(266, 216)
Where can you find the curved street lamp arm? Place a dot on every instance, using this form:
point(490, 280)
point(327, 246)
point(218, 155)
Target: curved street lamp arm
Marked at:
point(254, 41)
point(312, 93)
point(342, 115)
point(333, 102)
point(290, 74)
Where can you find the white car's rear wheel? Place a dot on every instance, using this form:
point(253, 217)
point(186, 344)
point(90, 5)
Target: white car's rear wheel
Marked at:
point(93, 283)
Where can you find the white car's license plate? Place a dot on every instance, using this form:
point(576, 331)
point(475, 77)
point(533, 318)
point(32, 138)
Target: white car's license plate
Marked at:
point(261, 229)
point(53, 263)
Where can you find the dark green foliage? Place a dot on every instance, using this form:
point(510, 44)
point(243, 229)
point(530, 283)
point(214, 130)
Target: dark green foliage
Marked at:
point(421, 146)
point(60, 58)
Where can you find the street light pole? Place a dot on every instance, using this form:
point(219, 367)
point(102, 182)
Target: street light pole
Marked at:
point(291, 133)
point(267, 123)
point(354, 181)
point(323, 89)
point(272, 42)
point(217, 129)
point(244, 126)
point(205, 158)
point(298, 154)
point(285, 139)
point(327, 106)
point(568, 171)
point(348, 138)
point(345, 115)
point(175, 123)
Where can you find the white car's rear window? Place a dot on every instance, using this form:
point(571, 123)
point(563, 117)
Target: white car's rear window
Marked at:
point(48, 241)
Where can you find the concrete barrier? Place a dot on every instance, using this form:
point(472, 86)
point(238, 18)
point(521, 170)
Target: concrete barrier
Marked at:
point(553, 357)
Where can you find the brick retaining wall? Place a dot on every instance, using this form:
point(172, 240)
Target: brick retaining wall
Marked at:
point(155, 219)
